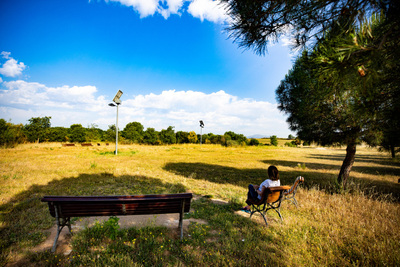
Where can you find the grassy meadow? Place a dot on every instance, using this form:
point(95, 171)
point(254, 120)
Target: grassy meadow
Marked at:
point(358, 227)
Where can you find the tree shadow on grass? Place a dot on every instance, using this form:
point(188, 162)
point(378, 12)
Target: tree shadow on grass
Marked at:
point(375, 170)
point(384, 161)
point(24, 218)
point(375, 188)
point(218, 173)
point(242, 177)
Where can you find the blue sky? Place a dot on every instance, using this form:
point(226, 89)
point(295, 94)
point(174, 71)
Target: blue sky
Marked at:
point(172, 59)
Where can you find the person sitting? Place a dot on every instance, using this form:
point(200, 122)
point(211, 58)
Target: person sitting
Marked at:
point(255, 191)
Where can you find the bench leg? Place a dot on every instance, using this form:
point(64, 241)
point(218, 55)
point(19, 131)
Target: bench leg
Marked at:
point(293, 200)
point(256, 209)
point(181, 218)
point(61, 222)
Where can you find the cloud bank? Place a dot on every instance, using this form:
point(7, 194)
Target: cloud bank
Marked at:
point(67, 105)
point(21, 100)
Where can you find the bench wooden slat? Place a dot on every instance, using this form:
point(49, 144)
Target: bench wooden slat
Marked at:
point(92, 209)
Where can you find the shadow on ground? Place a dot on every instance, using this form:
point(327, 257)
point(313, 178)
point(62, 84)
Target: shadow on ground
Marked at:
point(314, 176)
point(25, 219)
point(386, 169)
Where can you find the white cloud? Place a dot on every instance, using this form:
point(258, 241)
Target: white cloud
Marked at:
point(11, 68)
point(202, 9)
point(22, 93)
point(144, 7)
point(220, 111)
point(150, 7)
point(5, 54)
point(173, 7)
point(207, 9)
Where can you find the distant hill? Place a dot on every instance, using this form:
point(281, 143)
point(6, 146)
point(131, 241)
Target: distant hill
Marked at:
point(257, 136)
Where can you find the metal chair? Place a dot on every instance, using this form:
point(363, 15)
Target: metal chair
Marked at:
point(291, 193)
point(271, 198)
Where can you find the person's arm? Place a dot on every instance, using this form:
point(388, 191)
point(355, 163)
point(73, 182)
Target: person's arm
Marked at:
point(259, 190)
point(264, 185)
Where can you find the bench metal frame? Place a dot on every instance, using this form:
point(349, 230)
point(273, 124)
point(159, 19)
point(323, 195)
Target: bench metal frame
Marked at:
point(291, 193)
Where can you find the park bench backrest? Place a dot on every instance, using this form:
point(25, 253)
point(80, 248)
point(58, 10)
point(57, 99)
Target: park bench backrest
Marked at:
point(273, 193)
point(81, 206)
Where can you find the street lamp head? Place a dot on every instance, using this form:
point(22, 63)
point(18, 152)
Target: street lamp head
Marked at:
point(111, 105)
point(117, 97)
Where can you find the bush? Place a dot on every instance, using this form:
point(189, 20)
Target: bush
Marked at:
point(290, 144)
point(306, 143)
point(10, 134)
point(274, 140)
point(232, 143)
point(254, 142)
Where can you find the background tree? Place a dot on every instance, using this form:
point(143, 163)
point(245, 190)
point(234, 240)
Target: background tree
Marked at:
point(35, 130)
point(57, 134)
point(77, 133)
point(10, 134)
point(110, 134)
point(168, 136)
point(133, 131)
point(182, 137)
point(239, 138)
point(215, 138)
point(150, 136)
point(192, 137)
point(93, 134)
point(274, 140)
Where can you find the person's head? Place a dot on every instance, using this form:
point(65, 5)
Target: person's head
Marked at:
point(273, 173)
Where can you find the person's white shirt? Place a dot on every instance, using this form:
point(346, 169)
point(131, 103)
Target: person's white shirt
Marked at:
point(268, 183)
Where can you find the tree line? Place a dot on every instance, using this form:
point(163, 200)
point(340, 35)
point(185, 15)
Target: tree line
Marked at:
point(39, 130)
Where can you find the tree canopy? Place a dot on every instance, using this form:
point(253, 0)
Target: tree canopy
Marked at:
point(255, 24)
point(342, 92)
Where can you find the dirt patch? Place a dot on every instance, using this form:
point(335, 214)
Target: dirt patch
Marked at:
point(63, 243)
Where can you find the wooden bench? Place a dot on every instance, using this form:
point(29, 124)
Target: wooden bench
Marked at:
point(271, 198)
point(86, 144)
point(65, 207)
point(68, 144)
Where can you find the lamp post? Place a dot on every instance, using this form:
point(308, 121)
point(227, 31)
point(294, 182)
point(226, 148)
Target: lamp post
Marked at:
point(117, 102)
point(201, 131)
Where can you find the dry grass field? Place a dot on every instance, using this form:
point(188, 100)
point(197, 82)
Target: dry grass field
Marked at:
point(360, 226)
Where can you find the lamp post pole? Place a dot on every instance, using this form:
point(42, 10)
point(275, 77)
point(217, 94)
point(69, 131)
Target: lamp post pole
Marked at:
point(201, 131)
point(201, 135)
point(116, 135)
point(117, 102)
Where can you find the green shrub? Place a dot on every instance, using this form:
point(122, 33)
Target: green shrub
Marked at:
point(254, 142)
point(274, 140)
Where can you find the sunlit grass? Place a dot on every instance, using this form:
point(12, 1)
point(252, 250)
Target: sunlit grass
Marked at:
point(361, 226)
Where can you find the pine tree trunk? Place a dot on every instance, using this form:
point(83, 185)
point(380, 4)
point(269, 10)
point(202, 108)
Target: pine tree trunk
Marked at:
point(347, 163)
point(392, 151)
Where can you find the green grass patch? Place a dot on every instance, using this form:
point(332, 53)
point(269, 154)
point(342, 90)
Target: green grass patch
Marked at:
point(360, 226)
